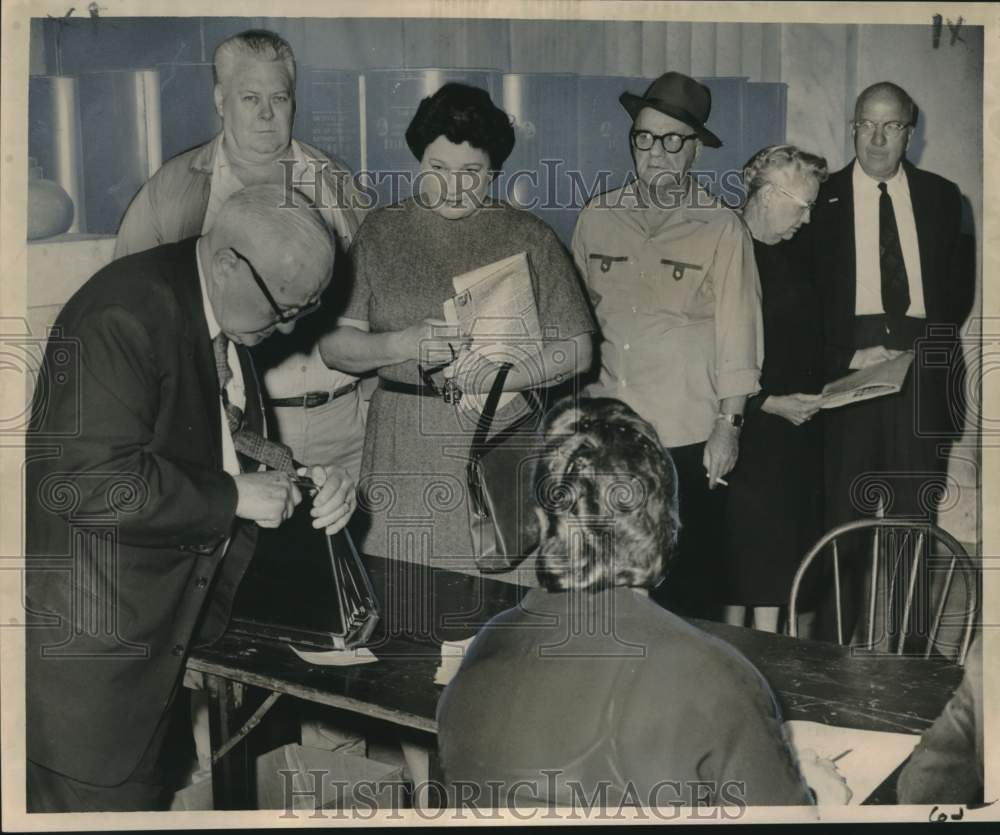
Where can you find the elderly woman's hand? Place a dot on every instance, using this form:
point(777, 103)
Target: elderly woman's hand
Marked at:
point(795, 408)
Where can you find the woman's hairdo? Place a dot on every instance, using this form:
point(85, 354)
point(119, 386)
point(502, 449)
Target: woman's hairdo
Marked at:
point(607, 492)
point(758, 170)
point(462, 114)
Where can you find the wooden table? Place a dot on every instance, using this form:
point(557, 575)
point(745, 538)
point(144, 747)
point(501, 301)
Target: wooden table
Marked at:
point(813, 681)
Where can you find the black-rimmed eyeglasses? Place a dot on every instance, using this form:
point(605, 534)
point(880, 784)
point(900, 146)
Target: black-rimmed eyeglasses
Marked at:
point(643, 140)
point(284, 315)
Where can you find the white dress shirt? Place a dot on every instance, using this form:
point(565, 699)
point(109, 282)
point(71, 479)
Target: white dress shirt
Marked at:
point(235, 389)
point(868, 297)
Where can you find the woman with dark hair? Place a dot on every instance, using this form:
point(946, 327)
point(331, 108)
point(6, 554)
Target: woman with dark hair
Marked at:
point(413, 481)
point(588, 685)
point(774, 507)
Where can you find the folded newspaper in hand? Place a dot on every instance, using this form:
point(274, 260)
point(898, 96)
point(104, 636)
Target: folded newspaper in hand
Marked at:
point(876, 380)
point(495, 311)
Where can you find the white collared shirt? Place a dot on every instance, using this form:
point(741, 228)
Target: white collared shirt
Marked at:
point(235, 388)
point(868, 296)
point(299, 372)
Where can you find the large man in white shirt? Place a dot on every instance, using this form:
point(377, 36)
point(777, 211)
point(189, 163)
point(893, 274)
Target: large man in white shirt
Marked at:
point(887, 255)
point(316, 410)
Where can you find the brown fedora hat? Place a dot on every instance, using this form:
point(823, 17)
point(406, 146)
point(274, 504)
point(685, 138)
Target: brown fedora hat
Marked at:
point(678, 96)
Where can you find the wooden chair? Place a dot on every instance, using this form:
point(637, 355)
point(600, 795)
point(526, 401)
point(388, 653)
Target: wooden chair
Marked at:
point(898, 548)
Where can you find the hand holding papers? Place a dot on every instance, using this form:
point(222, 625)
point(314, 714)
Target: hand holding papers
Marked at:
point(876, 380)
point(495, 312)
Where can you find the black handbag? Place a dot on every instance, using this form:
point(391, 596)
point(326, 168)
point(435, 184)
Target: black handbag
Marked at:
point(500, 479)
point(306, 588)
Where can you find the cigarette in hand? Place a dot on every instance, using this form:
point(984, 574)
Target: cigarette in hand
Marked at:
point(721, 481)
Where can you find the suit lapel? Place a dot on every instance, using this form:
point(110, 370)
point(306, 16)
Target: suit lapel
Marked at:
point(923, 218)
point(197, 345)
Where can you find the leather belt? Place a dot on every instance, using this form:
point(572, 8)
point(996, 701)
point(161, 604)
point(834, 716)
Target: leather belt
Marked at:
point(407, 388)
point(312, 399)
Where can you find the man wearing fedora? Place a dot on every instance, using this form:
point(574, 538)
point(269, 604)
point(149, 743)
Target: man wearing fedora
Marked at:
point(675, 287)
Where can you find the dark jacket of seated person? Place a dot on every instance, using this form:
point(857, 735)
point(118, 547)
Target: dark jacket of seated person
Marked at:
point(589, 691)
point(947, 764)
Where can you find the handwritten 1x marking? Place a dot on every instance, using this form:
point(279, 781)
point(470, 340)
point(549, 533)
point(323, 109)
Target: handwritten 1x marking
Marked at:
point(953, 28)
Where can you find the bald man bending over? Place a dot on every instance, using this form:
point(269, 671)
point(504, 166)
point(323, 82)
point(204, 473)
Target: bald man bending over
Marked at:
point(161, 438)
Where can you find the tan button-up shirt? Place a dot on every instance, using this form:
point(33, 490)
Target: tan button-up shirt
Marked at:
point(678, 304)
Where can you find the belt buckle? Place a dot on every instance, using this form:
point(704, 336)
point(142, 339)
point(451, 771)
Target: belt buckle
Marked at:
point(313, 399)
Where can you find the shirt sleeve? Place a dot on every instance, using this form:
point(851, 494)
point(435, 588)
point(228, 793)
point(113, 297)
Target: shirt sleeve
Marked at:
point(359, 271)
point(580, 253)
point(140, 228)
point(739, 326)
point(562, 304)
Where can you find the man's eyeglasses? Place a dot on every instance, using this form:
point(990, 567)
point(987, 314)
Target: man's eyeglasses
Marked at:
point(643, 140)
point(285, 315)
point(893, 130)
point(795, 198)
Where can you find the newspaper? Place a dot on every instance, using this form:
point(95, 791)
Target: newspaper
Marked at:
point(495, 312)
point(874, 381)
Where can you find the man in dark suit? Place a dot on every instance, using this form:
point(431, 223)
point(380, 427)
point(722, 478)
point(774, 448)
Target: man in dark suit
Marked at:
point(146, 489)
point(887, 248)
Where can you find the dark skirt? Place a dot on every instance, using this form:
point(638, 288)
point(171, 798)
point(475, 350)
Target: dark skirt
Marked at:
point(773, 510)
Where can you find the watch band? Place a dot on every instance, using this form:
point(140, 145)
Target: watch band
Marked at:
point(736, 421)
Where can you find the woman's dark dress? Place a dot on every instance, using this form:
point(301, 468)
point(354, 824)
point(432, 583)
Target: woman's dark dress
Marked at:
point(776, 490)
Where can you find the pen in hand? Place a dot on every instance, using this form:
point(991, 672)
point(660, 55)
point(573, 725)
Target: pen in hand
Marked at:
point(841, 755)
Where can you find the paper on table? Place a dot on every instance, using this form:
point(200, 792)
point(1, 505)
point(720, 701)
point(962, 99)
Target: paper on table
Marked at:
point(336, 657)
point(452, 653)
point(873, 756)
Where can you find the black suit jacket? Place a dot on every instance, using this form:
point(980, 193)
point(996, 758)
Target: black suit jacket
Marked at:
point(128, 514)
point(937, 215)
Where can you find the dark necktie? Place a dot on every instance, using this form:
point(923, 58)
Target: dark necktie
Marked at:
point(247, 442)
point(895, 287)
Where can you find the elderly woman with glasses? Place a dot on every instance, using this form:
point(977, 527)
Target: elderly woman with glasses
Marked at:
point(590, 689)
point(774, 512)
point(413, 477)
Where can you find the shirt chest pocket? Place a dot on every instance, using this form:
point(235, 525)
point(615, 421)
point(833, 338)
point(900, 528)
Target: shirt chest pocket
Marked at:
point(681, 286)
point(683, 270)
point(603, 265)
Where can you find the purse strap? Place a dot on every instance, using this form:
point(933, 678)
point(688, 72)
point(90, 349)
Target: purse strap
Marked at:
point(489, 410)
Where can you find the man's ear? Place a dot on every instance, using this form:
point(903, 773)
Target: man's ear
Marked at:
point(698, 145)
point(217, 95)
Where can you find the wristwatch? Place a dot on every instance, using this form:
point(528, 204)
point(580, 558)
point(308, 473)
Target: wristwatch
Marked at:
point(736, 421)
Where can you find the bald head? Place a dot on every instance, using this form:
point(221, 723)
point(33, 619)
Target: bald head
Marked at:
point(883, 123)
point(278, 235)
point(886, 90)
